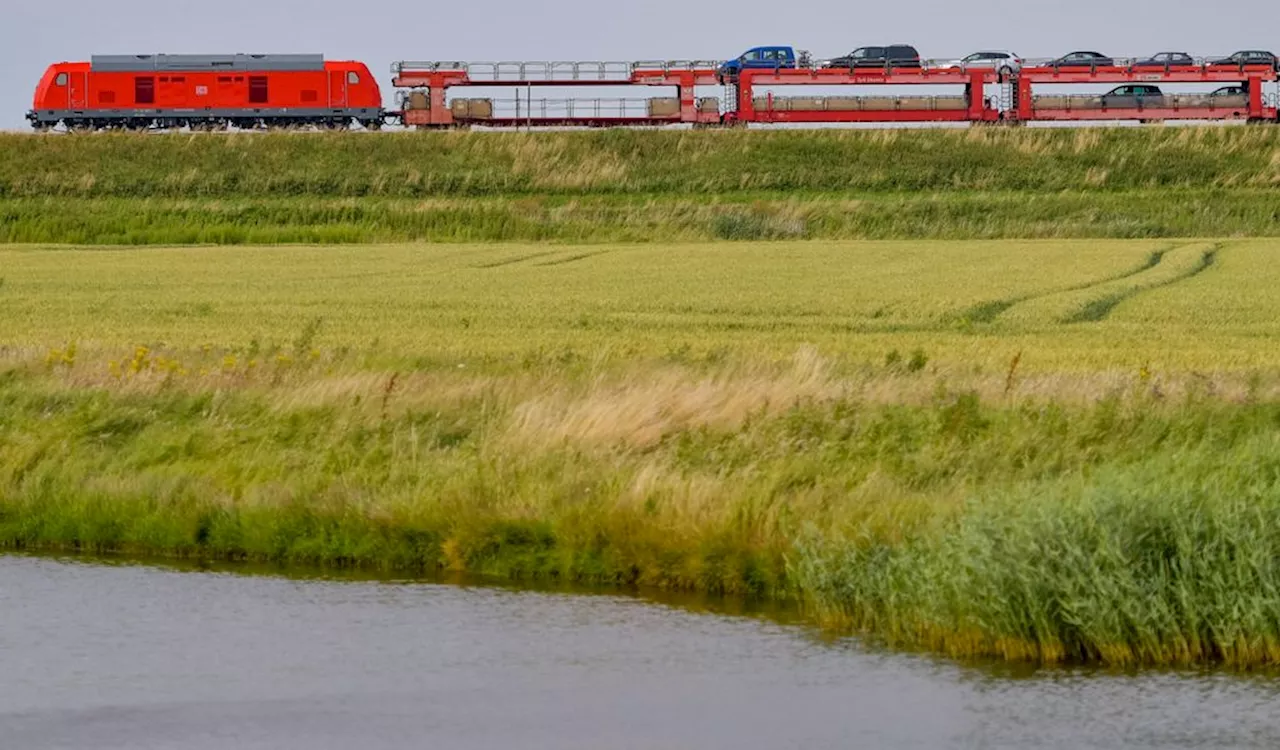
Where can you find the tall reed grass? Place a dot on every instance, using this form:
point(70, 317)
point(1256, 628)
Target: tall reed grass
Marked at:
point(638, 186)
point(413, 165)
point(1130, 527)
point(666, 218)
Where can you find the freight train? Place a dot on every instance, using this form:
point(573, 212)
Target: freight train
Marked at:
point(212, 92)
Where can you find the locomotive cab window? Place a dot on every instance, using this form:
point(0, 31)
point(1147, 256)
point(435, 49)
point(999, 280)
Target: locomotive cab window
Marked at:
point(61, 80)
point(353, 78)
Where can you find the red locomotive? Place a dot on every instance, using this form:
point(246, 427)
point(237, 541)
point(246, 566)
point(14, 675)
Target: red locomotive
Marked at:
point(206, 92)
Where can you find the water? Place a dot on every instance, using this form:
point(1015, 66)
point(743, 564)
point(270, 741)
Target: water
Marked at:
point(109, 656)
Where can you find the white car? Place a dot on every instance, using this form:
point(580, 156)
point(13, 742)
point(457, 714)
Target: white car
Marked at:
point(1004, 61)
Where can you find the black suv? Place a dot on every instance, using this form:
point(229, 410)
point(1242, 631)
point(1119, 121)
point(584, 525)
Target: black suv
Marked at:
point(892, 56)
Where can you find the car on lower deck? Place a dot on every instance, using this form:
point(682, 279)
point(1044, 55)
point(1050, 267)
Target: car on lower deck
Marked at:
point(1133, 95)
point(1234, 90)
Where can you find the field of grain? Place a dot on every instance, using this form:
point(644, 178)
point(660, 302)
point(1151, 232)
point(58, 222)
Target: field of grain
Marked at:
point(1057, 450)
point(1067, 306)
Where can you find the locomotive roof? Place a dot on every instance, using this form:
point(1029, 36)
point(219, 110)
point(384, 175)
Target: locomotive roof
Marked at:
point(130, 63)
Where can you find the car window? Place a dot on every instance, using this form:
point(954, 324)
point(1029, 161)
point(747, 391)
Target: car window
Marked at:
point(752, 55)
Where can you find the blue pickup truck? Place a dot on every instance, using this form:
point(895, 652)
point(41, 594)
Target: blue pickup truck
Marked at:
point(771, 57)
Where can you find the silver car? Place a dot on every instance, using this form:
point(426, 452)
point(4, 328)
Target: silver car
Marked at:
point(1004, 61)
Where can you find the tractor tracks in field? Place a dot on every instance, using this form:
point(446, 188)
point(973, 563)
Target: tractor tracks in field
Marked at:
point(511, 261)
point(1095, 300)
point(550, 257)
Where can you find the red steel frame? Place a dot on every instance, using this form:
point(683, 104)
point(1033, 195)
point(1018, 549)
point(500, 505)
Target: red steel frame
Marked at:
point(976, 109)
point(438, 114)
point(1255, 76)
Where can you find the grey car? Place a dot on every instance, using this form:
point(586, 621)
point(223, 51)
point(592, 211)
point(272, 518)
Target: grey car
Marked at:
point(1166, 60)
point(1133, 95)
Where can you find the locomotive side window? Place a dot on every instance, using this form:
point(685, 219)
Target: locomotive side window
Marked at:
point(61, 80)
point(144, 90)
point(258, 90)
point(353, 78)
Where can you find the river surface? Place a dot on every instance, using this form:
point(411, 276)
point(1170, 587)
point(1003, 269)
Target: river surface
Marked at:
point(115, 656)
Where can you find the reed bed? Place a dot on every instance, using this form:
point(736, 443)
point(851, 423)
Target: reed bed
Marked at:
point(1126, 529)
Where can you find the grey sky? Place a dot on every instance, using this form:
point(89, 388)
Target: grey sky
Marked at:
point(34, 34)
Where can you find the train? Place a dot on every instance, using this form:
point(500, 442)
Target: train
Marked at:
point(268, 91)
point(206, 92)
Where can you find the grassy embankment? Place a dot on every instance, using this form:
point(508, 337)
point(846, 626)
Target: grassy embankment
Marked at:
point(640, 186)
point(1050, 450)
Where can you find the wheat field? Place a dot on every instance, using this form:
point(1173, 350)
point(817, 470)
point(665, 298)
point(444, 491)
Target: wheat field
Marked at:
point(1067, 306)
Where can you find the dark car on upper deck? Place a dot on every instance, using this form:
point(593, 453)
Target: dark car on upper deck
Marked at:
point(1246, 58)
point(888, 56)
point(1082, 59)
point(1166, 60)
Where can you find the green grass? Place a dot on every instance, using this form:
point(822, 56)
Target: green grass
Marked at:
point(413, 165)
point(624, 186)
point(1050, 450)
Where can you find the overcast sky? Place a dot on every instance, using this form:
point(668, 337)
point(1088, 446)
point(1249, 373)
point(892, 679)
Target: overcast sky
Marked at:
point(35, 33)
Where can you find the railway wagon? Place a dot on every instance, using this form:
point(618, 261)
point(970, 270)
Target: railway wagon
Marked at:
point(206, 92)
